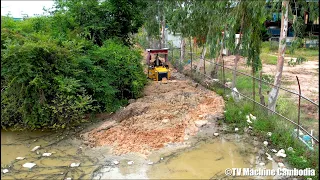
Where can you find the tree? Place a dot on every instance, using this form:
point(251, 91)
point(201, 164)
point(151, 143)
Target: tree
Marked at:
point(310, 8)
point(98, 21)
point(273, 95)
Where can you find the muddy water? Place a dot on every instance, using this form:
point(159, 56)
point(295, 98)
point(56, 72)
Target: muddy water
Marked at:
point(56, 166)
point(205, 162)
point(190, 160)
point(200, 159)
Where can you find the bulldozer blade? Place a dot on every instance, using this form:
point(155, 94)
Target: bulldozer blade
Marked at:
point(164, 80)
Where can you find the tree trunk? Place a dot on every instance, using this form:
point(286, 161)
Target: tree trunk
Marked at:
point(236, 60)
point(273, 95)
point(191, 54)
point(203, 54)
point(182, 50)
point(260, 91)
point(295, 18)
point(215, 71)
point(163, 27)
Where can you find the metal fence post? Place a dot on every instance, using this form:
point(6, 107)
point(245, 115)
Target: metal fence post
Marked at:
point(298, 107)
point(223, 77)
point(204, 65)
point(172, 61)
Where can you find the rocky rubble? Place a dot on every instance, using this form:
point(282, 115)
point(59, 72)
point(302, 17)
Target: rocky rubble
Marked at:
point(165, 114)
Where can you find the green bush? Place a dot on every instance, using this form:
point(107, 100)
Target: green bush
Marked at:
point(57, 69)
point(50, 82)
point(36, 75)
point(112, 73)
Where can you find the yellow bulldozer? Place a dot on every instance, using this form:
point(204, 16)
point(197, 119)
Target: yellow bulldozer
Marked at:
point(157, 69)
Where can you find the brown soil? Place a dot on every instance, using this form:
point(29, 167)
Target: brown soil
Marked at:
point(307, 73)
point(165, 114)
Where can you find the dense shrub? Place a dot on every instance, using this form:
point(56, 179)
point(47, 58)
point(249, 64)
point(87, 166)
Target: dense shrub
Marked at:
point(112, 73)
point(48, 80)
point(38, 88)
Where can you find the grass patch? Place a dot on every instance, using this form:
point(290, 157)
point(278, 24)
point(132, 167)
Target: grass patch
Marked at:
point(308, 53)
point(268, 59)
point(271, 48)
point(281, 138)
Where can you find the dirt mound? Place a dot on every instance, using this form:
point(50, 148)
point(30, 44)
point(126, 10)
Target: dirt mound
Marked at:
point(165, 114)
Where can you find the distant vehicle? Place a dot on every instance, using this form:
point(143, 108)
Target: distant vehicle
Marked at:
point(158, 70)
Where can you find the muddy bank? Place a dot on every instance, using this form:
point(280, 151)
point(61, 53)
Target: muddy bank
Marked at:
point(200, 157)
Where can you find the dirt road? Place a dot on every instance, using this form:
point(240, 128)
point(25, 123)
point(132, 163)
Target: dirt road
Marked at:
point(167, 113)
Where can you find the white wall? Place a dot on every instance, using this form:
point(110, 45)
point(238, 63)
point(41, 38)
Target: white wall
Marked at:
point(175, 40)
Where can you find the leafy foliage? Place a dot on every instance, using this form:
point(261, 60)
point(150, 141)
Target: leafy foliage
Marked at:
point(100, 20)
point(53, 74)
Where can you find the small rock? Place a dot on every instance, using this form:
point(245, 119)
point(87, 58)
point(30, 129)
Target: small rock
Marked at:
point(130, 162)
point(236, 129)
point(270, 158)
point(252, 117)
point(215, 134)
point(5, 171)
point(261, 164)
point(269, 134)
point(249, 121)
point(161, 158)
point(273, 150)
point(290, 149)
point(35, 148)
point(281, 165)
point(281, 153)
point(69, 178)
point(150, 163)
point(46, 154)
point(74, 164)
point(165, 121)
point(201, 123)
point(116, 162)
point(250, 127)
point(265, 143)
point(20, 158)
point(28, 165)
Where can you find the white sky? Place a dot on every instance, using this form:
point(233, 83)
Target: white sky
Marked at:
point(17, 8)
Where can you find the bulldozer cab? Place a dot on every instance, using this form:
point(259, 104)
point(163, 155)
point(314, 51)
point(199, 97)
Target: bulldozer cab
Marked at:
point(158, 70)
point(156, 52)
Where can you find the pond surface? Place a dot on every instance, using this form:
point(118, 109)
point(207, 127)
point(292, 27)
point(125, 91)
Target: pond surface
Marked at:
point(56, 166)
point(203, 159)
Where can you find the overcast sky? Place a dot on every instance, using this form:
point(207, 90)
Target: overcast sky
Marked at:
point(17, 8)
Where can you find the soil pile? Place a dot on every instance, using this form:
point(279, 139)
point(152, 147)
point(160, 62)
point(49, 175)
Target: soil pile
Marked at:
point(165, 114)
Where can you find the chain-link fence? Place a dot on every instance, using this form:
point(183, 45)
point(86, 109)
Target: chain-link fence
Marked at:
point(300, 111)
